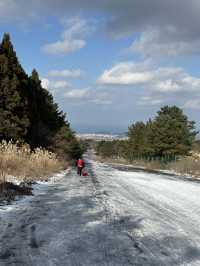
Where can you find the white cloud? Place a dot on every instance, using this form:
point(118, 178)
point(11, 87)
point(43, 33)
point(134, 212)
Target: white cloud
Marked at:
point(64, 89)
point(162, 79)
point(66, 73)
point(55, 87)
point(60, 84)
point(45, 83)
point(125, 74)
point(88, 96)
point(18, 10)
point(72, 38)
point(154, 85)
point(63, 47)
point(150, 101)
point(162, 43)
point(169, 27)
point(101, 101)
point(76, 94)
point(168, 86)
point(75, 27)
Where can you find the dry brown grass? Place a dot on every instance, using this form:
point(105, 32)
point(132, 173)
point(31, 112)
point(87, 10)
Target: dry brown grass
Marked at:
point(189, 165)
point(149, 165)
point(26, 165)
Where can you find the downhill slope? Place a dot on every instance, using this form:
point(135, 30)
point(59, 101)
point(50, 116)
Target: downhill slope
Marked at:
point(111, 217)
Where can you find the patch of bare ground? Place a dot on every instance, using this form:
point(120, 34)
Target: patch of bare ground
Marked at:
point(9, 191)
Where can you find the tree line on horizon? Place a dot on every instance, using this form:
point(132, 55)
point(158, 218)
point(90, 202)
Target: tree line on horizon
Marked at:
point(28, 113)
point(168, 135)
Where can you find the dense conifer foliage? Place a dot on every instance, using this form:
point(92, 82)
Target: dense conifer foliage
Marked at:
point(168, 135)
point(27, 111)
point(172, 132)
point(45, 118)
point(14, 121)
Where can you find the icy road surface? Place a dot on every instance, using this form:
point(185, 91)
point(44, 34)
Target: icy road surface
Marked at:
point(111, 217)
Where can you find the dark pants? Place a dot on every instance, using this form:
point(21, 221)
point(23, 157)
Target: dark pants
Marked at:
point(79, 170)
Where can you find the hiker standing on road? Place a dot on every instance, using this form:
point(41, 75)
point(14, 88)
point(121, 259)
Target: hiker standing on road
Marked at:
point(80, 165)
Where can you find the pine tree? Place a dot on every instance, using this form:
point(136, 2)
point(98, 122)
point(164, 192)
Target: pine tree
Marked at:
point(136, 134)
point(139, 138)
point(172, 133)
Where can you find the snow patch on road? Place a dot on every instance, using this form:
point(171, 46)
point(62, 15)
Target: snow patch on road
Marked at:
point(112, 217)
point(165, 211)
point(39, 188)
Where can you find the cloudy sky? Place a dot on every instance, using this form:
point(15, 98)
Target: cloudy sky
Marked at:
point(109, 63)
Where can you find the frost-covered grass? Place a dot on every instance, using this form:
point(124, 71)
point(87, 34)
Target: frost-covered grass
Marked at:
point(26, 165)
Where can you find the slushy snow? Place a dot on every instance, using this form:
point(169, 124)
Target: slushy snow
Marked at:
point(112, 217)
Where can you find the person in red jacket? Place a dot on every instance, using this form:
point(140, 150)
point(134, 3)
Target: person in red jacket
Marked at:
point(80, 164)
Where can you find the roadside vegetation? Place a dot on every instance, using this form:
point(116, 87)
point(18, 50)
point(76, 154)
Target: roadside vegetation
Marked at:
point(166, 142)
point(26, 164)
point(35, 136)
point(28, 113)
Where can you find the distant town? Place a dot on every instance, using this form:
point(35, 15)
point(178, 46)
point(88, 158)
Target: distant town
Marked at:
point(100, 136)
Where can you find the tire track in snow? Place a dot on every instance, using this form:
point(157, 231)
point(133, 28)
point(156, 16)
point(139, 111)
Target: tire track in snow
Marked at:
point(168, 233)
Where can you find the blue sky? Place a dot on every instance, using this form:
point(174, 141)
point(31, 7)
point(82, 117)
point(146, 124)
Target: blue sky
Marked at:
point(110, 63)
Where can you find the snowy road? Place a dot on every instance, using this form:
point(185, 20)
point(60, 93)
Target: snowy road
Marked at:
point(111, 217)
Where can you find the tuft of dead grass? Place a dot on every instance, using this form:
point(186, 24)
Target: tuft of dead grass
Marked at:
point(149, 165)
point(189, 165)
point(19, 161)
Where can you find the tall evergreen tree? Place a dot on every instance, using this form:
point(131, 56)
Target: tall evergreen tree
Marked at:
point(45, 117)
point(66, 145)
point(136, 134)
point(27, 110)
point(172, 133)
point(139, 138)
point(14, 120)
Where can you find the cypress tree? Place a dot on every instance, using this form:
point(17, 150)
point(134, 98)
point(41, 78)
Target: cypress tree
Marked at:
point(14, 120)
point(45, 117)
point(28, 111)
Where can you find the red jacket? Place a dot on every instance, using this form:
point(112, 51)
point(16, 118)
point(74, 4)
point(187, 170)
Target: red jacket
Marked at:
point(80, 163)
